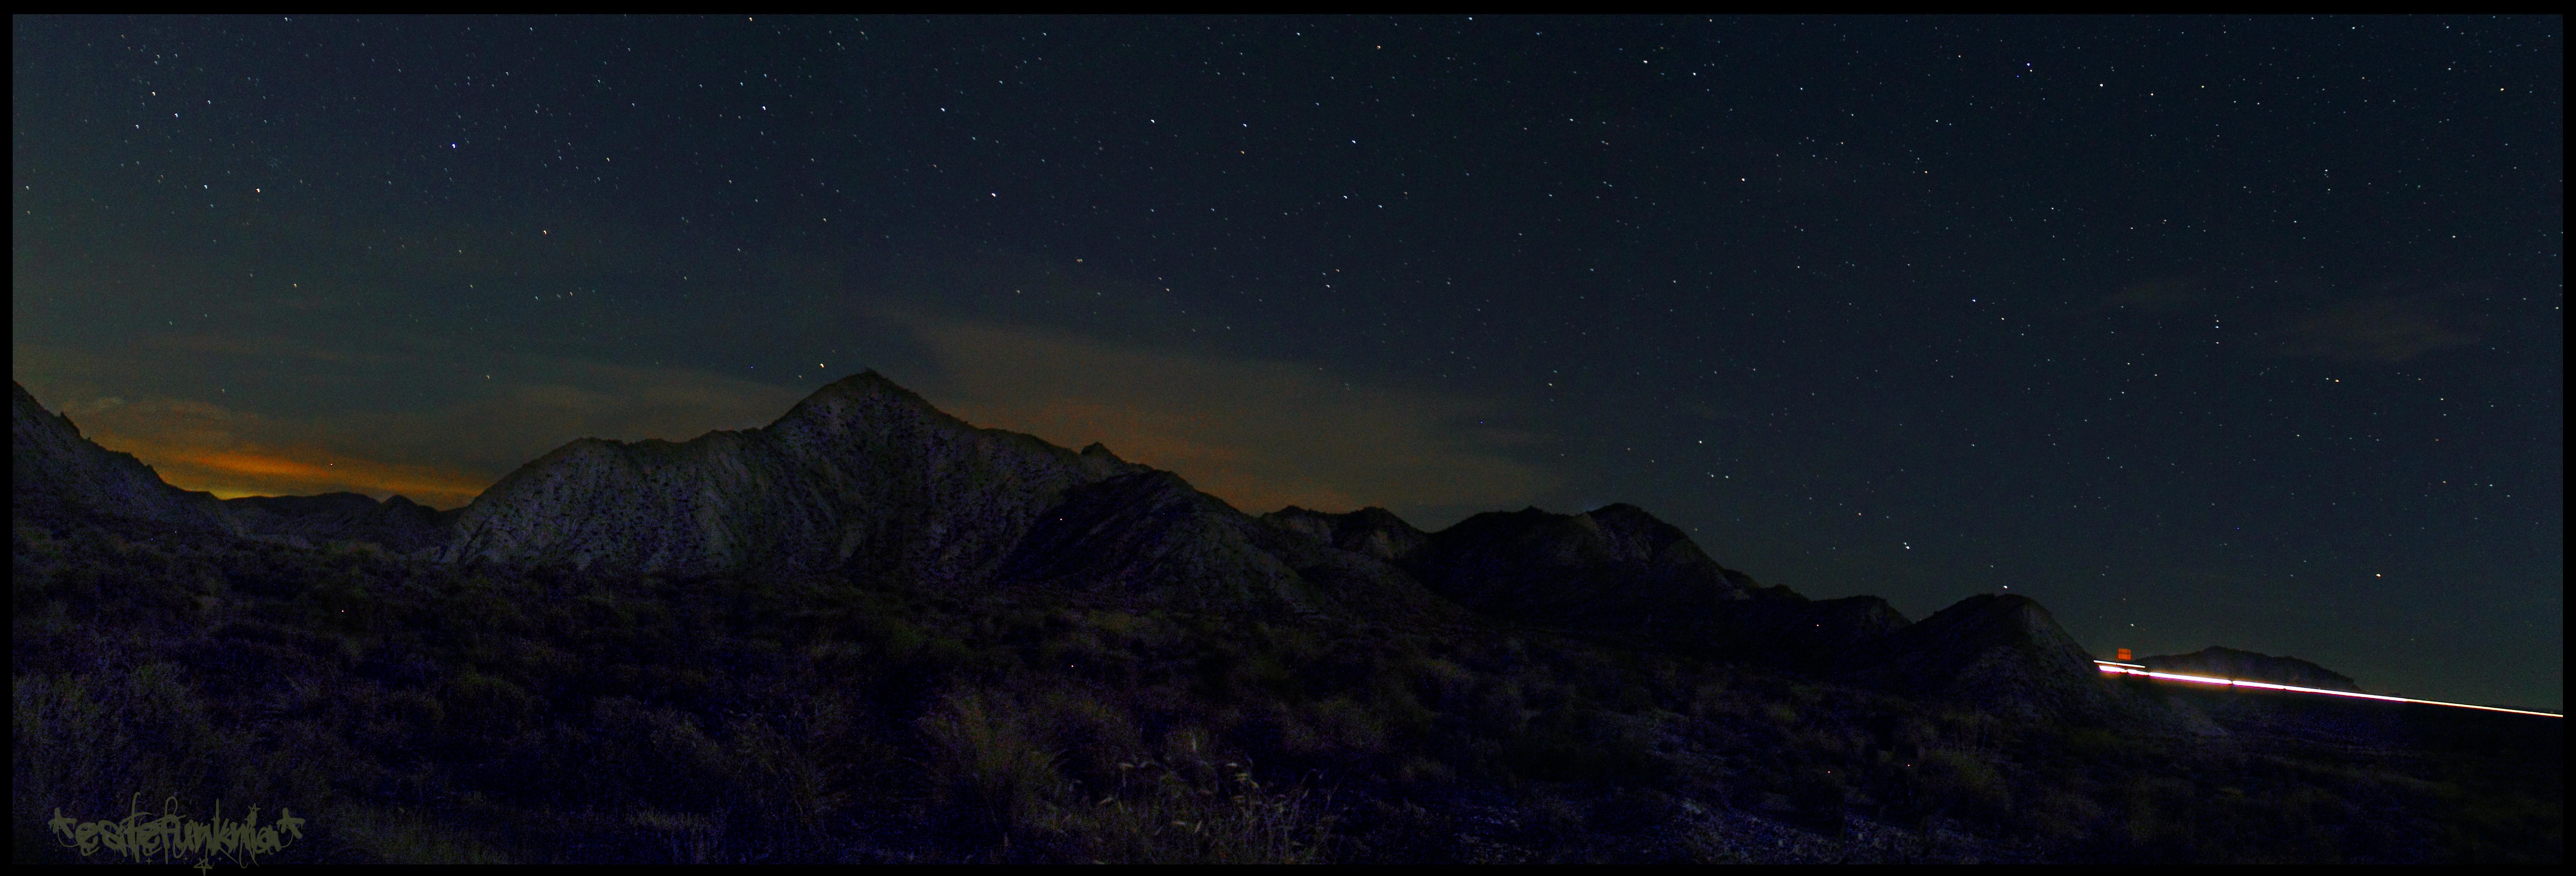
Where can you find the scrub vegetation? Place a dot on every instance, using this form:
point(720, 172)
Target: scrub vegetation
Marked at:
point(416, 712)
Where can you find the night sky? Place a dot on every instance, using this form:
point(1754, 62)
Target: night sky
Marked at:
point(2200, 331)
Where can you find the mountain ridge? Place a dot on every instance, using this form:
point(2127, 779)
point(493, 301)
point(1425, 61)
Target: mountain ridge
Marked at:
point(864, 478)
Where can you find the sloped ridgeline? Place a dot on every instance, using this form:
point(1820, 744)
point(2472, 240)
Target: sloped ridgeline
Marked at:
point(867, 479)
point(53, 469)
point(1615, 571)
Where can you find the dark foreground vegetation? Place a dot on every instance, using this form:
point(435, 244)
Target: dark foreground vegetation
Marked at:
point(419, 712)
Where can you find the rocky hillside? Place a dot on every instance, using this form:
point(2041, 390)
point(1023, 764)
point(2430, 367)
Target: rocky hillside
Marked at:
point(2001, 652)
point(52, 467)
point(863, 475)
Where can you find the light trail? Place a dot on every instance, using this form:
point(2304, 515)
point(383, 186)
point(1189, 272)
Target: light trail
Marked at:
point(2138, 670)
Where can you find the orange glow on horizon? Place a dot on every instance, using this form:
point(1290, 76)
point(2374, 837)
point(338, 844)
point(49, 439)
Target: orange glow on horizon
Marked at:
point(233, 474)
point(245, 463)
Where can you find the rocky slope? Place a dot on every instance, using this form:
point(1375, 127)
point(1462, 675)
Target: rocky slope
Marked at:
point(1999, 652)
point(862, 476)
point(1371, 532)
point(866, 478)
point(53, 468)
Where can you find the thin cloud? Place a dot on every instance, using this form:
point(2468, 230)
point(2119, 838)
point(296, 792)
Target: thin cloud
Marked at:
point(266, 347)
point(1260, 434)
point(2380, 329)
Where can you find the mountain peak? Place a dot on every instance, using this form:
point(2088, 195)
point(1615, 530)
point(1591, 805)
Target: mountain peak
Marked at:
point(870, 382)
point(2000, 651)
point(1372, 532)
point(867, 389)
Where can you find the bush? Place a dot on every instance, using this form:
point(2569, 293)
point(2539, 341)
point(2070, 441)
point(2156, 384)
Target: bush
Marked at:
point(986, 771)
point(1192, 806)
point(488, 709)
point(1963, 784)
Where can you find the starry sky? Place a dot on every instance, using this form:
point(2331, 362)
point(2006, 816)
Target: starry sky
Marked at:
point(2200, 331)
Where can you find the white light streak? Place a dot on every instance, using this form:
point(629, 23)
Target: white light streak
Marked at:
point(2134, 669)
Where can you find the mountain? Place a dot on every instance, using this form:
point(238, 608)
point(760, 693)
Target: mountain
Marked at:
point(1616, 571)
point(862, 476)
point(866, 479)
point(2232, 663)
point(1151, 534)
point(2000, 652)
point(53, 468)
point(1371, 532)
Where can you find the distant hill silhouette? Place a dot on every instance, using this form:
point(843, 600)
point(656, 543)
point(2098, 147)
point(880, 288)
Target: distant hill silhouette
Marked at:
point(397, 523)
point(1616, 571)
point(2232, 663)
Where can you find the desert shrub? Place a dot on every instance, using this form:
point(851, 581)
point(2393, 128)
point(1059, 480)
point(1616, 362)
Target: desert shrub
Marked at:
point(986, 771)
point(1441, 684)
point(2160, 811)
point(2513, 828)
point(2063, 815)
point(783, 769)
point(91, 740)
point(487, 709)
point(1091, 733)
point(402, 835)
point(1391, 699)
point(402, 724)
point(1963, 784)
point(1971, 731)
point(1191, 806)
point(1346, 729)
point(683, 837)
